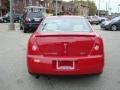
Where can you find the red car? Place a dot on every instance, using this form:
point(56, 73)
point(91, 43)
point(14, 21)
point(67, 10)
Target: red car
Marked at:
point(65, 45)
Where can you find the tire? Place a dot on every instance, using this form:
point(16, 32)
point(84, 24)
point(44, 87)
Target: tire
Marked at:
point(98, 74)
point(32, 74)
point(114, 28)
point(5, 21)
point(24, 29)
point(21, 28)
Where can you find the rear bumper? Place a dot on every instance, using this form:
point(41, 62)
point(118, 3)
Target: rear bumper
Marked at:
point(83, 65)
point(32, 26)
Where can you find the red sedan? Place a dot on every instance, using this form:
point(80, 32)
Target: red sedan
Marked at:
point(65, 45)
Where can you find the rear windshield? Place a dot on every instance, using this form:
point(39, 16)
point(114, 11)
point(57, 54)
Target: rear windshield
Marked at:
point(35, 15)
point(116, 19)
point(65, 25)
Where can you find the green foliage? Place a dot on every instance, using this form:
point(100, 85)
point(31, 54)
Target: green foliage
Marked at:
point(92, 7)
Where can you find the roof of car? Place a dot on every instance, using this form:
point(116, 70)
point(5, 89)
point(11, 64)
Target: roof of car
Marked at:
point(66, 16)
point(34, 7)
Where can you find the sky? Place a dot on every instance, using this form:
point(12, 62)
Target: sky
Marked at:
point(104, 3)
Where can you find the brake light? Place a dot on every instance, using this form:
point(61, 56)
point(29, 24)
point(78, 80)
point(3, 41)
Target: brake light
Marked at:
point(33, 48)
point(27, 19)
point(98, 47)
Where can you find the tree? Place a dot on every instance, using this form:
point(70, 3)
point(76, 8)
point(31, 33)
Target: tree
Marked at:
point(92, 7)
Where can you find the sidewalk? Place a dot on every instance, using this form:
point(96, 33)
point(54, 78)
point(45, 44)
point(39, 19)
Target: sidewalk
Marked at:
point(5, 27)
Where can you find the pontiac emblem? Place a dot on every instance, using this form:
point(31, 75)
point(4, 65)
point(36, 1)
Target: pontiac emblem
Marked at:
point(65, 48)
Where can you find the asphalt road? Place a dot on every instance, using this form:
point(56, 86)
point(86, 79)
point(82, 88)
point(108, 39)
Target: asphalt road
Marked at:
point(14, 76)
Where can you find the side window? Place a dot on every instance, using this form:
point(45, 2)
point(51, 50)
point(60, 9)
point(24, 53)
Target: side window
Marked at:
point(119, 21)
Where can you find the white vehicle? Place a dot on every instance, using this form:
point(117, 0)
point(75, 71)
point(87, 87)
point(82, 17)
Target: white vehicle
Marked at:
point(94, 19)
point(36, 9)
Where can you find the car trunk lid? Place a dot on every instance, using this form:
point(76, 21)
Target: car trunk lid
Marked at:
point(65, 44)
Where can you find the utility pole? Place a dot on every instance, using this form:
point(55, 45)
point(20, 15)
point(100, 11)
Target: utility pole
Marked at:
point(109, 8)
point(56, 2)
point(106, 9)
point(118, 8)
point(11, 26)
point(99, 8)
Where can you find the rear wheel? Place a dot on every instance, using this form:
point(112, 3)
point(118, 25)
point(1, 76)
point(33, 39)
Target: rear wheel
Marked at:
point(5, 21)
point(21, 28)
point(24, 29)
point(114, 28)
point(35, 75)
point(32, 74)
point(98, 74)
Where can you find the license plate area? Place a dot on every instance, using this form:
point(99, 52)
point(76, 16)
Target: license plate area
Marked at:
point(65, 65)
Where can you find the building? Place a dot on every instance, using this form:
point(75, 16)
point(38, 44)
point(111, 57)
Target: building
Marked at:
point(20, 4)
point(3, 7)
point(69, 8)
point(76, 8)
point(102, 13)
point(82, 8)
point(59, 4)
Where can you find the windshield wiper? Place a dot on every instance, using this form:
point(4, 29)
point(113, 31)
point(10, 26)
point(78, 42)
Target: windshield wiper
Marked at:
point(44, 26)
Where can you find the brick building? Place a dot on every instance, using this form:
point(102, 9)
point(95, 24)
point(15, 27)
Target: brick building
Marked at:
point(82, 8)
point(76, 8)
point(20, 4)
point(69, 8)
point(3, 8)
point(60, 5)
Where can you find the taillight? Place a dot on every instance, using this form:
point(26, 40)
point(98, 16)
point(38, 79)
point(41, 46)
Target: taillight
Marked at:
point(27, 19)
point(98, 47)
point(33, 48)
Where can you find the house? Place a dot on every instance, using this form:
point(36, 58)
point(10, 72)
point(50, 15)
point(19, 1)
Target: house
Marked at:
point(69, 8)
point(59, 6)
point(20, 4)
point(82, 8)
point(76, 8)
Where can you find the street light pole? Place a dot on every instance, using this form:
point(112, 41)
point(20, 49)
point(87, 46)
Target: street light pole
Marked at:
point(11, 26)
point(118, 8)
point(109, 8)
point(99, 8)
point(56, 1)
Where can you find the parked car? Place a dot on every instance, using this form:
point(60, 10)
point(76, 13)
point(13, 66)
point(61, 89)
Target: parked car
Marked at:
point(113, 24)
point(102, 19)
point(16, 17)
point(30, 21)
point(1, 19)
point(65, 45)
point(6, 18)
point(94, 20)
